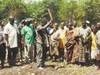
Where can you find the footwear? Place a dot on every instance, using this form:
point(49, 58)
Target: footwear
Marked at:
point(27, 61)
point(98, 68)
point(2, 67)
point(41, 68)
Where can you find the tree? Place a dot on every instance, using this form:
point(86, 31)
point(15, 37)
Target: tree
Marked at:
point(93, 11)
point(71, 9)
point(12, 7)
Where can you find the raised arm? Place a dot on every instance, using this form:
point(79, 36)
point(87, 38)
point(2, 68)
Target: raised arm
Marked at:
point(45, 26)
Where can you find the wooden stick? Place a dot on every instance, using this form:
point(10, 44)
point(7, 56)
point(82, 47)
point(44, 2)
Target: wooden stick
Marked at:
point(50, 14)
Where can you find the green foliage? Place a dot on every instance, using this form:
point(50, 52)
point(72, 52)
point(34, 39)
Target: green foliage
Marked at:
point(93, 11)
point(11, 7)
point(71, 9)
point(62, 10)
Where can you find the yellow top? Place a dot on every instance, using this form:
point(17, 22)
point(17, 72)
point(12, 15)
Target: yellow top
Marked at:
point(94, 45)
point(62, 39)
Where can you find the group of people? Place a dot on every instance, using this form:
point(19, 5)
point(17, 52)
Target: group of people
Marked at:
point(33, 42)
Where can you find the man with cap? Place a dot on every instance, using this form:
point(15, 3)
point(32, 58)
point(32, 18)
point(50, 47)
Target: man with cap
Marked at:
point(11, 41)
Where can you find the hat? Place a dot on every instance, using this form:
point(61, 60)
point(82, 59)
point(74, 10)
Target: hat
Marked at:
point(98, 23)
point(88, 22)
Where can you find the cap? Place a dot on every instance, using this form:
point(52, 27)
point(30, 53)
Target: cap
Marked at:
point(88, 22)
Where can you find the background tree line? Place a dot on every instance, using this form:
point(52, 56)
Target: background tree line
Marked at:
point(61, 10)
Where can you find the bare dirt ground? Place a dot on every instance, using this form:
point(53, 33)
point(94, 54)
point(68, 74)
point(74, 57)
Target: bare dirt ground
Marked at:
point(53, 68)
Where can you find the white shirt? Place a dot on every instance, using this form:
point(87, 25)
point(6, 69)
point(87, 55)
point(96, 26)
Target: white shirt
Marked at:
point(12, 35)
point(54, 36)
point(66, 28)
point(57, 34)
point(98, 37)
point(84, 31)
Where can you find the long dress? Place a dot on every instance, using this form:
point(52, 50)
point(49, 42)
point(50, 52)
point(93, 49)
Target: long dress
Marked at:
point(54, 44)
point(72, 46)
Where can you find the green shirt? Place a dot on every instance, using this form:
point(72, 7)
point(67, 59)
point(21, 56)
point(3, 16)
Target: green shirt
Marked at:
point(29, 34)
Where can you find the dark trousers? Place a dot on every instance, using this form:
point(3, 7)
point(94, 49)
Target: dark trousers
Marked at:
point(12, 53)
point(2, 54)
point(61, 54)
point(45, 50)
point(87, 50)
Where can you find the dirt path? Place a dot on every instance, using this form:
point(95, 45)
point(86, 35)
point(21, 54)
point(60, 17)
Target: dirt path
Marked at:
point(51, 69)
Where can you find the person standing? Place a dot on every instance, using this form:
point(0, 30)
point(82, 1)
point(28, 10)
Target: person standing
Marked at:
point(94, 45)
point(85, 33)
point(42, 43)
point(11, 41)
point(2, 45)
point(62, 41)
point(21, 41)
point(54, 43)
point(29, 40)
point(98, 45)
point(73, 44)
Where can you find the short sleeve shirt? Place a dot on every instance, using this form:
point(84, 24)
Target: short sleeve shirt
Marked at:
point(12, 35)
point(27, 32)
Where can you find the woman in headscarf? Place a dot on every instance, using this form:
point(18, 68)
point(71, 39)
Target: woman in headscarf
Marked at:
point(72, 45)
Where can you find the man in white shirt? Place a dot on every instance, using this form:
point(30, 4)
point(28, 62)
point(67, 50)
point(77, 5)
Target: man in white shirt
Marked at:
point(11, 41)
